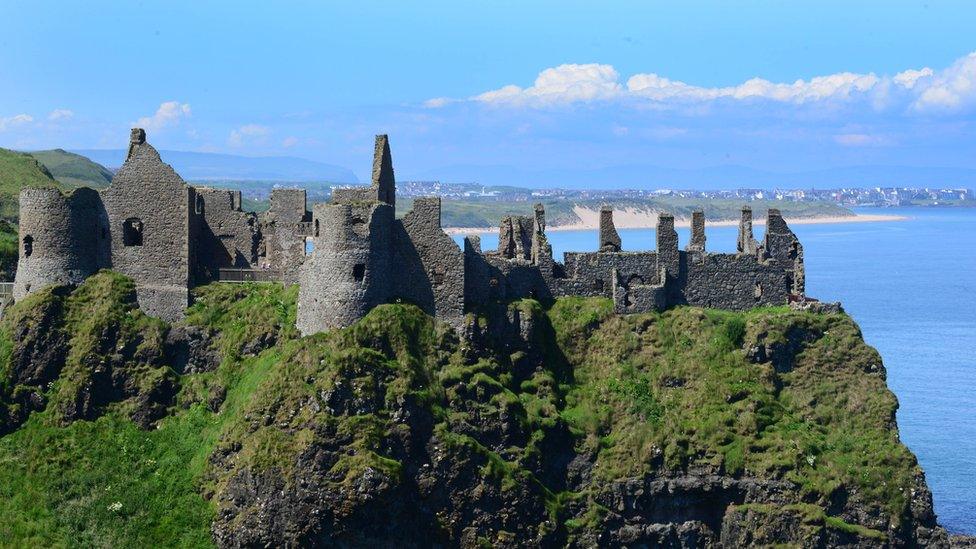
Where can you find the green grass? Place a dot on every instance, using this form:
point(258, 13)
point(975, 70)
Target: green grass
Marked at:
point(645, 394)
point(18, 170)
point(73, 170)
point(675, 391)
point(9, 243)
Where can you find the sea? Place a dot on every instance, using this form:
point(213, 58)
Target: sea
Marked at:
point(911, 286)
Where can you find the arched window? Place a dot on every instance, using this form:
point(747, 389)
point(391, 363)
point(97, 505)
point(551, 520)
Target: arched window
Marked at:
point(316, 227)
point(199, 205)
point(28, 245)
point(132, 232)
point(359, 272)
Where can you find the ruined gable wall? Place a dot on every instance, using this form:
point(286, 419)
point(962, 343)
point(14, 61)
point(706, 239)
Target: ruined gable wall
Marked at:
point(429, 265)
point(226, 236)
point(783, 248)
point(349, 270)
point(149, 190)
point(66, 237)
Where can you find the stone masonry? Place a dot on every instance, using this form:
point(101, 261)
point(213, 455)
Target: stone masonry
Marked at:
point(169, 237)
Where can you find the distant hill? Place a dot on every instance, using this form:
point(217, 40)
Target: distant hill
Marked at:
point(73, 170)
point(211, 166)
point(644, 176)
point(19, 170)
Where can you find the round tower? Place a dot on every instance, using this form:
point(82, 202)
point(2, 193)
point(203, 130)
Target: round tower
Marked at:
point(63, 238)
point(347, 273)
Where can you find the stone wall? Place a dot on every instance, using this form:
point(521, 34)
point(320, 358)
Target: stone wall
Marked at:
point(609, 238)
point(284, 230)
point(429, 266)
point(227, 237)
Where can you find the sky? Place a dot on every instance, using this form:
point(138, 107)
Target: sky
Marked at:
point(460, 86)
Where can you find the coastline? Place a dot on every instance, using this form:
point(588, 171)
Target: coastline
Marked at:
point(630, 219)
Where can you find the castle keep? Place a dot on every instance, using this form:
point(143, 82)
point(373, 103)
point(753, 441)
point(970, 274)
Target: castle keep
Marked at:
point(169, 237)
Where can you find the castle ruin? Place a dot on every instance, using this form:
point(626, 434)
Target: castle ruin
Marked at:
point(169, 236)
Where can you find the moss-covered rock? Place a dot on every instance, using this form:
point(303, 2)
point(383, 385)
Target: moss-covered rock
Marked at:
point(84, 349)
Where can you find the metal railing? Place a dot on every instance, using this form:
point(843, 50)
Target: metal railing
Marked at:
point(248, 275)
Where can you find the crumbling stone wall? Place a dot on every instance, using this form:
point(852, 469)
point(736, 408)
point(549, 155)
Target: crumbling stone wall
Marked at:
point(227, 236)
point(697, 242)
point(286, 226)
point(746, 244)
point(609, 238)
point(515, 237)
point(643, 281)
point(783, 248)
point(428, 264)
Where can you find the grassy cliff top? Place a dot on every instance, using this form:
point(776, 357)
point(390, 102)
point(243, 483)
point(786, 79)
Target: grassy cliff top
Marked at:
point(73, 170)
point(770, 394)
point(18, 170)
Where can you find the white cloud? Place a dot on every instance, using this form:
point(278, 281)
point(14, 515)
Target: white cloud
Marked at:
point(437, 102)
point(563, 84)
point(913, 89)
point(15, 120)
point(907, 79)
point(60, 114)
point(246, 134)
point(859, 140)
point(289, 142)
point(950, 89)
point(168, 114)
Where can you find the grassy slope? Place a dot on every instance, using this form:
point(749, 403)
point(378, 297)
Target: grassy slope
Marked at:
point(73, 170)
point(19, 170)
point(663, 391)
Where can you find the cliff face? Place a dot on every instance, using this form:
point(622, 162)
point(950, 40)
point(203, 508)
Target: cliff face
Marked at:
point(562, 426)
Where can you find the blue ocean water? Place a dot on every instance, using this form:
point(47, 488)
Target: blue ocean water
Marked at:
point(911, 286)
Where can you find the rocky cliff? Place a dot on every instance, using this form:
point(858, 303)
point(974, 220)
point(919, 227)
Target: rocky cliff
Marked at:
point(558, 426)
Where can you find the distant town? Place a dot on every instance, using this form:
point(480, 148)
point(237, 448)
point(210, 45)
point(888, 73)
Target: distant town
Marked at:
point(873, 196)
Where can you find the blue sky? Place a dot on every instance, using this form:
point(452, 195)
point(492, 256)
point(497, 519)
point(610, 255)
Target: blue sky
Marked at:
point(528, 85)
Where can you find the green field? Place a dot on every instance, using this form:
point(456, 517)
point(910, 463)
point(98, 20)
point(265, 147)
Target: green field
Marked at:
point(73, 170)
point(18, 170)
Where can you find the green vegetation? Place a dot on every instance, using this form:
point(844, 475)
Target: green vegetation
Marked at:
point(73, 170)
point(643, 394)
point(676, 391)
point(9, 243)
point(18, 170)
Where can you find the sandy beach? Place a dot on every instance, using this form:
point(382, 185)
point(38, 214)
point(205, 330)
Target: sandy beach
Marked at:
point(635, 219)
